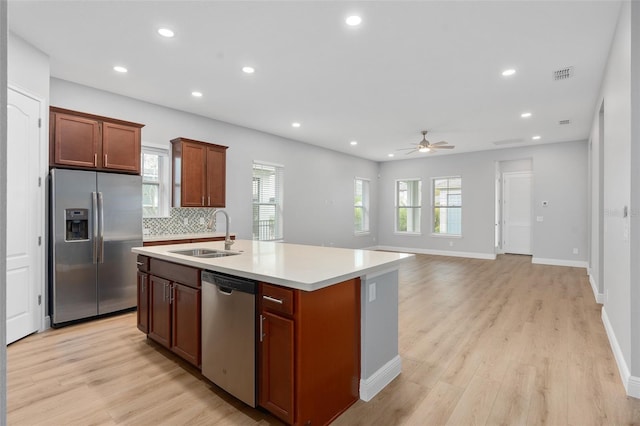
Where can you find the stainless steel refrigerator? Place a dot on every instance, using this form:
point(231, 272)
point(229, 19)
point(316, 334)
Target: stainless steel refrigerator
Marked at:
point(95, 220)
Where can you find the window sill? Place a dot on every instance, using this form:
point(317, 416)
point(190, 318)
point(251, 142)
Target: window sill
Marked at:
point(362, 234)
point(446, 235)
point(408, 234)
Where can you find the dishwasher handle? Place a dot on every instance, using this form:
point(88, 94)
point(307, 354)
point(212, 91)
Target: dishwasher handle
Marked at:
point(224, 290)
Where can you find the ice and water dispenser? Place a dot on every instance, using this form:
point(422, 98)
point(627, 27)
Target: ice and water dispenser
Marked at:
point(77, 224)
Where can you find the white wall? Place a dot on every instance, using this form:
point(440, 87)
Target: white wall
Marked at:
point(560, 177)
point(318, 183)
point(616, 143)
point(619, 137)
point(28, 68)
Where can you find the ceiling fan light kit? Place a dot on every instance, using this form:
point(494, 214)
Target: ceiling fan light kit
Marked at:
point(426, 146)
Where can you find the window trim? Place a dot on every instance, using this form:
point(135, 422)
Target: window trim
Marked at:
point(441, 234)
point(366, 207)
point(164, 190)
point(395, 207)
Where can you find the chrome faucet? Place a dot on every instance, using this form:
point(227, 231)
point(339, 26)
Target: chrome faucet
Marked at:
point(227, 240)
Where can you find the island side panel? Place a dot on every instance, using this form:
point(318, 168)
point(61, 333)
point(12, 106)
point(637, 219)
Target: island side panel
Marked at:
point(380, 361)
point(328, 355)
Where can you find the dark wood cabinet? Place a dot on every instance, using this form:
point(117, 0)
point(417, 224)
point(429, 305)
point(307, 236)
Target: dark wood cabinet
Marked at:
point(174, 308)
point(143, 301)
point(160, 310)
point(121, 147)
point(309, 351)
point(186, 322)
point(86, 141)
point(199, 173)
point(276, 365)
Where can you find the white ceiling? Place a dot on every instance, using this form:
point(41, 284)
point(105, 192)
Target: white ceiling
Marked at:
point(433, 65)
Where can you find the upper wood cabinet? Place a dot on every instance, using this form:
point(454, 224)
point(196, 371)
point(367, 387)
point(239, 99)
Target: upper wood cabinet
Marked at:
point(199, 173)
point(86, 141)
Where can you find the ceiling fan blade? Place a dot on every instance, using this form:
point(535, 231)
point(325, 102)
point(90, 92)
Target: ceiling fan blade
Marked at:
point(442, 146)
point(411, 152)
point(405, 149)
point(439, 143)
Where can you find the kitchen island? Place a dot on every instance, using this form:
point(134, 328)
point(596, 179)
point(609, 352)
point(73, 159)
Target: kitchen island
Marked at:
point(316, 281)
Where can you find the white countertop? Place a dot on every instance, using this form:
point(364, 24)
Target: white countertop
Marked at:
point(170, 237)
point(291, 265)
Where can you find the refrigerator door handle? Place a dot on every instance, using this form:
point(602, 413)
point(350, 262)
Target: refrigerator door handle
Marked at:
point(94, 208)
point(101, 221)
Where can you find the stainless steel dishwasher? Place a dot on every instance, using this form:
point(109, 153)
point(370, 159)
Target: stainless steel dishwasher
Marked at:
point(229, 334)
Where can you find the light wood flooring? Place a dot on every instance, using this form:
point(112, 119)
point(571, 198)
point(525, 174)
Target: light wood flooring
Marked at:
point(482, 342)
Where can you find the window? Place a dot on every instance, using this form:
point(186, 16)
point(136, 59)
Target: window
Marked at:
point(408, 205)
point(155, 182)
point(361, 206)
point(267, 202)
point(447, 206)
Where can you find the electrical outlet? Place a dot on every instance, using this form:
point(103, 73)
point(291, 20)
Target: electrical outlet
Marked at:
point(185, 221)
point(575, 251)
point(539, 218)
point(450, 243)
point(372, 292)
point(202, 221)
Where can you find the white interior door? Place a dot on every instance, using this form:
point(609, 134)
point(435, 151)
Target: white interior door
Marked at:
point(516, 212)
point(24, 216)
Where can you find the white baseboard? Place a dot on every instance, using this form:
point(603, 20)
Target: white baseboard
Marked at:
point(471, 255)
point(373, 384)
point(633, 388)
point(560, 262)
point(594, 287)
point(631, 383)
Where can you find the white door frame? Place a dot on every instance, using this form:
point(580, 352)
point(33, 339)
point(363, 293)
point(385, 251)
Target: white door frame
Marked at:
point(42, 158)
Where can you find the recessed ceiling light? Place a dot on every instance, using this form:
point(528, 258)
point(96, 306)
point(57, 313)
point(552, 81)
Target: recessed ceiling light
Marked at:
point(508, 72)
point(119, 68)
point(525, 115)
point(353, 20)
point(535, 138)
point(295, 125)
point(165, 32)
point(390, 155)
point(196, 94)
point(248, 70)
point(354, 143)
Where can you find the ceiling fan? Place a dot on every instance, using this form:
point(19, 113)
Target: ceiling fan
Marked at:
point(426, 146)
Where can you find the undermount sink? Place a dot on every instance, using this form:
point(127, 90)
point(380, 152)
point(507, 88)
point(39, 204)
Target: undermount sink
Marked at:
point(200, 252)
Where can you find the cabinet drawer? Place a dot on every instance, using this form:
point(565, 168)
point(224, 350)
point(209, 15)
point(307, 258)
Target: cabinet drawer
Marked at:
point(143, 263)
point(172, 271)
point(276, 299)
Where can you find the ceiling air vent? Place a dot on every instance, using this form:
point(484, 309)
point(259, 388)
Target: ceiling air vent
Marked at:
point(564, 122)
point(563, 73)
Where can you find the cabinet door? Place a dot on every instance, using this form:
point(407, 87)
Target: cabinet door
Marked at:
point(193, 190)
point(216, 176)
point(76, 141)
point(186, 322)
point(276, 352)
point(143, 302)
point(160, 310)
point(120, 147)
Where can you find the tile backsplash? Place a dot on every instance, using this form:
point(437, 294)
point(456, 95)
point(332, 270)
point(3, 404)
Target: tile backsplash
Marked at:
point(181, 220)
